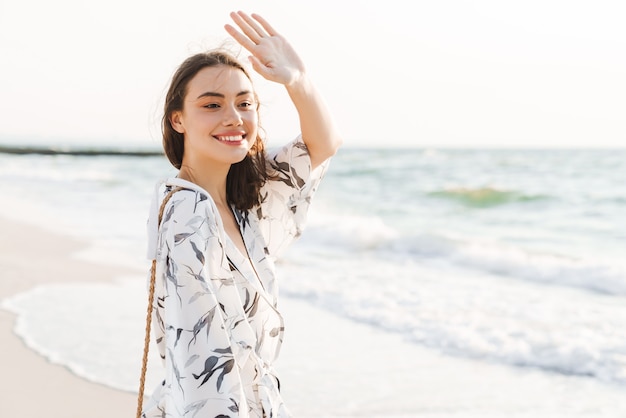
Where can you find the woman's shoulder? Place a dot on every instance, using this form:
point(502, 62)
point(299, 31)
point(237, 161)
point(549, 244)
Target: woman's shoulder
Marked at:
point(284, 152)
point(185, 199)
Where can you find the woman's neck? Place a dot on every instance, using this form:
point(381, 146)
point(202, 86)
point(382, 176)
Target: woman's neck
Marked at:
point(210, 178)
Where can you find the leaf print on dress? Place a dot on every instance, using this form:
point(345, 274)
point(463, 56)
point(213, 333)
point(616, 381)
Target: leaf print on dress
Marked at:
point(195, 408)
point(178, 376)
point(199, 254)
point(211, 366)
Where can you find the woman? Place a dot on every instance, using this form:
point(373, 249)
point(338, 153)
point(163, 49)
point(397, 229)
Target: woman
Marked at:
point(231, 210)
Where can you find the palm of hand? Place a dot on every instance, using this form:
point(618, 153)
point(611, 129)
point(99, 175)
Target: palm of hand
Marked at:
point(277, 60)
point(272, 55)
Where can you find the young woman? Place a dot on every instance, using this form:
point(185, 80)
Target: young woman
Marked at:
point(231, 210)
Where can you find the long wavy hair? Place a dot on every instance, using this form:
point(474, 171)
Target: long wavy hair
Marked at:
point(245, 178)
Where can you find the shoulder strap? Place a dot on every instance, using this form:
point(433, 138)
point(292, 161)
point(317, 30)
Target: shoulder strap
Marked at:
point(146, 346)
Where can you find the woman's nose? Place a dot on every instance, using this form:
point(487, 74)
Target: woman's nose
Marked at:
point(232, 116)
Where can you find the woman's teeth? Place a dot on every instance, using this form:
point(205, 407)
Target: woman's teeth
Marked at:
point(231, 138)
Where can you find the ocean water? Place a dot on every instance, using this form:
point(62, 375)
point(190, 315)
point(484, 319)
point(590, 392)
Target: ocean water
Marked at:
point(511, 257)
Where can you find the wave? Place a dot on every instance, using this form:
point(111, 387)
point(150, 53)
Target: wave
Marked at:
point(57, 321)
point(461, 314)
point(499, 337)
point(512, 262)
point(484, 197)
point(371, 234)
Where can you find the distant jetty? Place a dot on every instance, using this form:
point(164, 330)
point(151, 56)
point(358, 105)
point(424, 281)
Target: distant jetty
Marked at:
point(89, 152)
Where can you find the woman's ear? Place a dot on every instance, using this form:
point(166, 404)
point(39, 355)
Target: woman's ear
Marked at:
point(176, 122)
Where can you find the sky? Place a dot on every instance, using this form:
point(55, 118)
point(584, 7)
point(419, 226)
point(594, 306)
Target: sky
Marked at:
point(447, 73)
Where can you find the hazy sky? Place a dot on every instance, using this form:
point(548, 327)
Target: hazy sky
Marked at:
point(438, 74)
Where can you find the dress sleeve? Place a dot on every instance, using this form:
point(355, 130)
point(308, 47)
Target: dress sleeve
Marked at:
point(286, 196)
point(205, 340)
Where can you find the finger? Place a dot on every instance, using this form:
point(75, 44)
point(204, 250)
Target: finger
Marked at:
point(256, 63)
point(254, 25)
point(259, 67)
point(240, 38)
point(248, 26)
point(268, 28)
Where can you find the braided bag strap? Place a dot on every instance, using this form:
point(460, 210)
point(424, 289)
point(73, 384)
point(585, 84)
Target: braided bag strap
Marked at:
point(146, 345)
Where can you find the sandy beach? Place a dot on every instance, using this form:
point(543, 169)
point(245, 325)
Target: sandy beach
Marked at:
point(32, 386)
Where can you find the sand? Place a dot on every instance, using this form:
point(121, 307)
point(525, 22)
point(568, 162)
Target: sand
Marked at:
point(31, 386)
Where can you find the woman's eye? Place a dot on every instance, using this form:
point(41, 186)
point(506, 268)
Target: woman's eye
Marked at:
point(212, 106)
point(245, 104)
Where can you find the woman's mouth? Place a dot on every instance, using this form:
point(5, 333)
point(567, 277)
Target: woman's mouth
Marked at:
point(231, 139)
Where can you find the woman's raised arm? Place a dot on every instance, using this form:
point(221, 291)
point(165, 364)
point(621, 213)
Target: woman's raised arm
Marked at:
point(276, 60)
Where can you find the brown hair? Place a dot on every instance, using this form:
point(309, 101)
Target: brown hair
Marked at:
point(246, 177)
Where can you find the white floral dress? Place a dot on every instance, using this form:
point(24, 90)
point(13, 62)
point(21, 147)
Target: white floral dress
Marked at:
point(215, 316)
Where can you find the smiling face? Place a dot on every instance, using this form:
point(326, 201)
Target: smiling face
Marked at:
point(219, 119)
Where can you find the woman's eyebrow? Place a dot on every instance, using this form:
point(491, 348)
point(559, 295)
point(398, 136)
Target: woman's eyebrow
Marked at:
point(214, 94)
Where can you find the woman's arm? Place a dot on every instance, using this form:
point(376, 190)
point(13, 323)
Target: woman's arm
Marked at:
point(276, 60)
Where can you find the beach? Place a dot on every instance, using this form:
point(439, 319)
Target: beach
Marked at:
point(329, 367)
point(32, 386)
point(35, 387)
point(491, 286)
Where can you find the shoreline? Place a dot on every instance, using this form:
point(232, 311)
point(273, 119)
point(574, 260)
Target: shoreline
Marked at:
point(330, 366)
point(31, 256)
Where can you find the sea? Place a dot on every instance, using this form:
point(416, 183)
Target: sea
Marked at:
point(514, 257)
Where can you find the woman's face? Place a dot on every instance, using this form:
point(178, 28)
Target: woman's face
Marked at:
point(219, 119)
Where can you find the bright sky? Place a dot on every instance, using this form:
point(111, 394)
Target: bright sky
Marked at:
point(530, 73)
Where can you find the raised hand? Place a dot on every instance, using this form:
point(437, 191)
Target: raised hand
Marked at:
point(272, 56)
